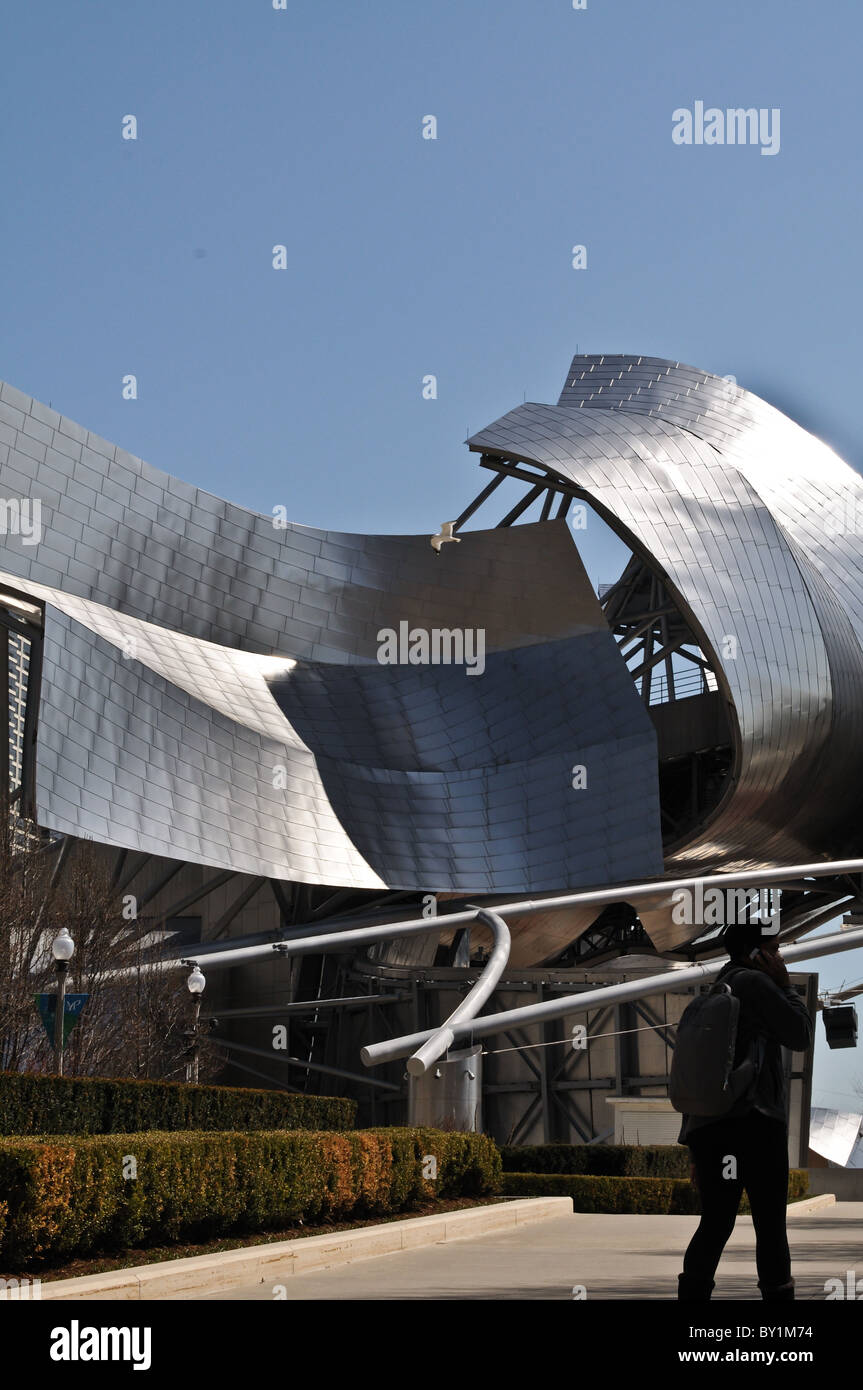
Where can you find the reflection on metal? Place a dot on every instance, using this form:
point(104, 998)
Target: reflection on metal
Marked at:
point(211, 691)
point(753, 527)
point(834, 1134)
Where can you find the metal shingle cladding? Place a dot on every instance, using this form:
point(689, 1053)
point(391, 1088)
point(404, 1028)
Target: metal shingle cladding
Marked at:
point(731, 501)
point(400, 777)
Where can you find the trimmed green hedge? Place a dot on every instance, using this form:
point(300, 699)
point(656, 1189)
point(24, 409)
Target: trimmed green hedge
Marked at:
point(632, 1195)
point(67, 1196)
point(606, 1194)
point(92, 1105)
point(605, 1160)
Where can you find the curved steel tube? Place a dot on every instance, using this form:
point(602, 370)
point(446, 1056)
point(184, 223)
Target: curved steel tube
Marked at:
point(666, 983)
point(306, 942)
point(469, 1007)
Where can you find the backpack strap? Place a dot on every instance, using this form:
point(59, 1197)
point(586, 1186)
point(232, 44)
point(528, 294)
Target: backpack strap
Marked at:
point(735, 971)
point(719, 985)
point(756, 1050)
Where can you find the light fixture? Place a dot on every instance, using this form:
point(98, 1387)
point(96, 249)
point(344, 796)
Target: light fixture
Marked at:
point(196, 981)
point(63, 947)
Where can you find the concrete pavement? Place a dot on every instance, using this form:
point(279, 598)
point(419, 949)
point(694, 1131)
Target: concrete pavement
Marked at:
point(268, 1262)
point(619, 1257)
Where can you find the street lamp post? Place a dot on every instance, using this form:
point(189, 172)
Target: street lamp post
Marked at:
point(195, 984)
point(62, 949)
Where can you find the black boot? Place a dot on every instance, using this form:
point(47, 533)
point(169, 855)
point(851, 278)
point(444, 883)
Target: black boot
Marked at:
point(694, 1290)
point(777, 1293)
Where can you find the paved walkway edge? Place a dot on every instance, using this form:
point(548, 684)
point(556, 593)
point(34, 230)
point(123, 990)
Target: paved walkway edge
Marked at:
point(823, 1199)
point(278, 1261)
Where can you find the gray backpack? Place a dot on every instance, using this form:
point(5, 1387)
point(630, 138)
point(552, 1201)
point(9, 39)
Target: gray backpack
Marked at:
point(703, 1078)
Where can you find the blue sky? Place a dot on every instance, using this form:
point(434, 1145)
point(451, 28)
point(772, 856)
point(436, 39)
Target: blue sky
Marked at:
point(406, 256)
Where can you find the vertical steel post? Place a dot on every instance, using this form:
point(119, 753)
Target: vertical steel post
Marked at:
point(62, 969)
point(192, 1063)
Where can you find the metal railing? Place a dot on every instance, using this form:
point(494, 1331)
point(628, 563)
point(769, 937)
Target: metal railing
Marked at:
point(684, 685)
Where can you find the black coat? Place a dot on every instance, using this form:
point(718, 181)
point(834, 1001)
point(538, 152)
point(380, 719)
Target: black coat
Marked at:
point(779, 1017)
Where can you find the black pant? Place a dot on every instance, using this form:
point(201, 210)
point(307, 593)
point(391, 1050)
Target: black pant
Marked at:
point(759, 1145)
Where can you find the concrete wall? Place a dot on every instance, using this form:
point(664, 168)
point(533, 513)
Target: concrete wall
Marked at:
point(845, 1183)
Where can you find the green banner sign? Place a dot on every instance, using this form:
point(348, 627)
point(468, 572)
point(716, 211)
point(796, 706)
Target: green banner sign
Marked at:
point(73, 1007)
